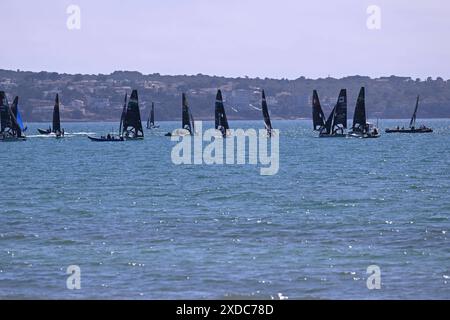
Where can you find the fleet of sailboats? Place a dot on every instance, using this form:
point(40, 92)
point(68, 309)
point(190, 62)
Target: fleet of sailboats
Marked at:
point(336, 124)
point(130, 128)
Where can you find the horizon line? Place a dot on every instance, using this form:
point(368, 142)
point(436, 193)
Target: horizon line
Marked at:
point(231, 77)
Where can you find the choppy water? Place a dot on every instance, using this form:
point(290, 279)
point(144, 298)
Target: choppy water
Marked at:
point(140, 227)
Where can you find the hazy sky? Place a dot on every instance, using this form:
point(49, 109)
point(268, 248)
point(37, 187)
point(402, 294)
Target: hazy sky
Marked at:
point(264, 38)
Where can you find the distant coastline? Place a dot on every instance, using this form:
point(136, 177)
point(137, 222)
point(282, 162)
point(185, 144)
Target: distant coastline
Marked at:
point(98, 98)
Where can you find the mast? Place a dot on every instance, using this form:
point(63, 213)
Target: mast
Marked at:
point(185, 114)
point(359, 118)
point(151, 117)
point(412, 124)
point(265, 112)
point(220, 116)
point(132, 118)
point(192, 122)
point(318, 116)
point(56, 118)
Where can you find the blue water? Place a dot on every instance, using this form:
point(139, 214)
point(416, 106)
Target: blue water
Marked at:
point(141, 227)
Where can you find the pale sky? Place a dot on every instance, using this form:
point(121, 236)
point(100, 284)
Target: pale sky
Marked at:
point(257, 38)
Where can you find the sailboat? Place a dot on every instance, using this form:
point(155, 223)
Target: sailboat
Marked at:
point(318, 115)
point(266, 116)
point(151, 119)
point(56, 122)
point(21, 128)
point(111, 137)
point(131, 124)
point(336, 123)
point(221, 122)
point(187, 120)
point(412, 124)
point(361, 128)
point(10, 129)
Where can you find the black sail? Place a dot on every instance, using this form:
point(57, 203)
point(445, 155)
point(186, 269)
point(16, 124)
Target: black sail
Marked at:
point(340, 111)
point(56, 117)
point(132, 124)
point(220, 116)
point(152, 115)
point(318, 115)
point(5, 117)
point(359, 118)
point(8, 122)
point(122, 116)
point(329, 123)
point(265, 112)
point(412, 123)
point(14, 110)
point(186, 115)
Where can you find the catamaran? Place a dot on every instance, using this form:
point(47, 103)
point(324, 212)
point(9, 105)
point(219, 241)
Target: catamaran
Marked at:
point(337, 121)
point(132, 124)
point(187, 120)
point(266, 116)
point(221, 122)
point(56, 122)
point(10, 128)
point(151, 119)
point(412, 124)
point(361, 128)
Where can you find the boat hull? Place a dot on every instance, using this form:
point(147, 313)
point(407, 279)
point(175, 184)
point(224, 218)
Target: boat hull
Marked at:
point(178, 133)
point(42, 131)
point(426, 130)
point(364, 135)
point(105, 139)
point(324, 135)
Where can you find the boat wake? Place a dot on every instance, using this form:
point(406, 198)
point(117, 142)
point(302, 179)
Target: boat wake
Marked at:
point(82, 133)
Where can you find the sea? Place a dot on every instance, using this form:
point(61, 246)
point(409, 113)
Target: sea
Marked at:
point(137, 226)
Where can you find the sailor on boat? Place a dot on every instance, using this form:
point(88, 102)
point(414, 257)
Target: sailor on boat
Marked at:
point(111, 137)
